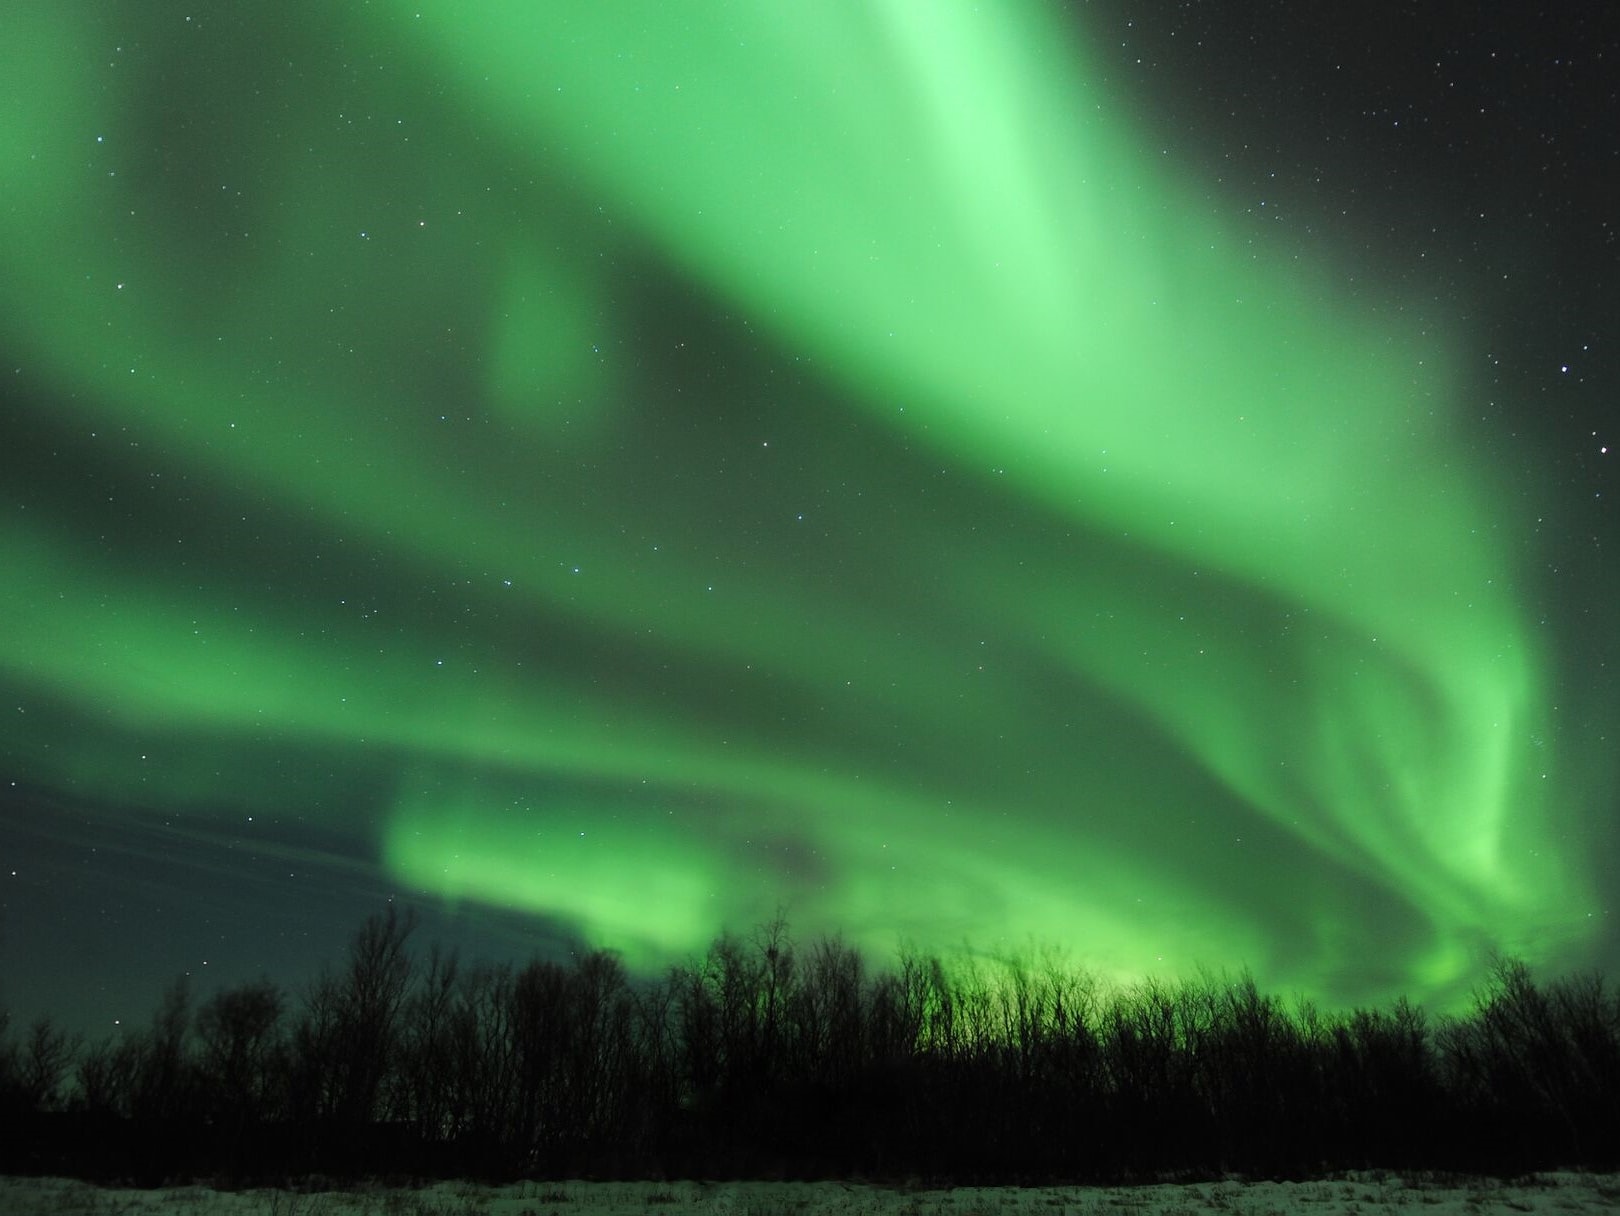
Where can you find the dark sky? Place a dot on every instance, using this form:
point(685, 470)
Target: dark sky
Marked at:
point(1134, 478)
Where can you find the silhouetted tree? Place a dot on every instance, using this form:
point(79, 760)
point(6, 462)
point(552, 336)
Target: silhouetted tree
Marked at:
point(426, 1081)
point(343, 1043)
point(541, 1036)
point(369, 1000)
point(601, 1054)
point(106, 1076)
point(163, 1075)
point(768, 1057)
point(240, 1062)
point(44, 1062)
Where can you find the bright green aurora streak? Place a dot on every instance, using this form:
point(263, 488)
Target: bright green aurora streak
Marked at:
point(697, 459)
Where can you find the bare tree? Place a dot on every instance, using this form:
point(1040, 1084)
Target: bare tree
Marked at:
point(344, 1041)
point(425, 1081)
point(369, 999)
point(107, 1075)
point(542, 1040)
point(163, 1076)
point(239, 1041)
point(45, 1059)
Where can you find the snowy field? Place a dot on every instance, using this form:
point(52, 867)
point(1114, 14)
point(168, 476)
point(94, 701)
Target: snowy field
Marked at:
point(1365, 1195)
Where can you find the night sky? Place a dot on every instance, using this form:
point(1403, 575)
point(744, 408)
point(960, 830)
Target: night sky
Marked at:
point(1132, 478)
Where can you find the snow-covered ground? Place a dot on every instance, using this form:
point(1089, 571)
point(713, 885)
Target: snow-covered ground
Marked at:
point(1364, 1195)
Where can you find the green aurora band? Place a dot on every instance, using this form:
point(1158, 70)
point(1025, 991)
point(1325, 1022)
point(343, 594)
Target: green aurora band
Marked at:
point(690, 461)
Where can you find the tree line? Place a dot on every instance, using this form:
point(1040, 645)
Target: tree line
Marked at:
point(766, 1058)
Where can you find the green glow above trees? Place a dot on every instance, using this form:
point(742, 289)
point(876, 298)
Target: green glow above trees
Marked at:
point(702, 463)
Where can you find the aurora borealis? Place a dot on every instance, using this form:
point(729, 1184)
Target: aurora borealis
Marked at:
point(640, 467)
